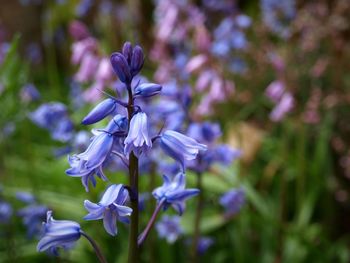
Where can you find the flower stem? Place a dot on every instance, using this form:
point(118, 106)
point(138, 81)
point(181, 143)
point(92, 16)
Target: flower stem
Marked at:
point(98, 252)
point(133, 254)
point(150, 224)
point(196, 234)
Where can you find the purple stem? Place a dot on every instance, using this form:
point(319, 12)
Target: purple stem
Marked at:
point(150, 224)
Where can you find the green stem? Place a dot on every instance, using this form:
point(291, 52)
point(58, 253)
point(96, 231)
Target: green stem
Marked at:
point(133, 255)
point(98, 252)
point(197, 220)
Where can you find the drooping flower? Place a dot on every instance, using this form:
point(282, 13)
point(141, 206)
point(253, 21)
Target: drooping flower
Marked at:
point(138, 139)
point(90, 162)
point(204, 243)
point(169, 228)
point(147, 90)
point(233, 201)
point(284, 106)
point(58, 233)
point(101, 110)
point(173, 192)
point(110, 208)
point(204, 132)
point(180, 147)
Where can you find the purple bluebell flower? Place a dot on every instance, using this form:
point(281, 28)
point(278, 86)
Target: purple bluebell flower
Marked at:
point(53, 116)
point(83, 7)
point(32, 218)
point(173, 192)
point(5, 212)
point(121, 67)
point(204, 243)
point(243, 21)
point(137, 60)
point(25, 197)
point(147, 90)
point(275, 90)
point(204, 132)
point(110, 208)
point(180, 147)
point(29, 93)
point(169, 228)
point(233, 201)
point(89, 163)
point(127, 51)
point(101, 111)
point(138, 139)
point(284, 106)
point(58, 233)
point(117, 126)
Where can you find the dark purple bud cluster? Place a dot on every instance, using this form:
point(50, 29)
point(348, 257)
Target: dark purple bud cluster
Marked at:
point(128, 63)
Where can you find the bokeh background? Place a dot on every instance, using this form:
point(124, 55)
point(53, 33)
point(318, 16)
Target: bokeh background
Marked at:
point(273, 73)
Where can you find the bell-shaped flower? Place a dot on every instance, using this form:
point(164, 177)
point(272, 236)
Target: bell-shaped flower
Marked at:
point(147, 90)
point(90, 162)
point(138, 139)
point(180, 147)
point(58, 233)
point(121, 67)
point(169, 228)
point(102, 110)
point(233, 201)
point(173, 192)
point(110, 208)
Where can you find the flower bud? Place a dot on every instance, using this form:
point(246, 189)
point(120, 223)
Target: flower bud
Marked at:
point(147, 89)
point(127, 51)
point(121, 67)
point(136, 60)
point(102, 110)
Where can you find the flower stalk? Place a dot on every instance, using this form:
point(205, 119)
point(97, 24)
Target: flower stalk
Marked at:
point(98, 252)
point(133, 254)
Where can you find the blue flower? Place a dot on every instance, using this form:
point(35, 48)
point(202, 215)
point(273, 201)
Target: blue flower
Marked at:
point(147, 90)
point(203, 244)
point(138, 139)
point(53, 116)
point(25, 197)
point(204, 132)
point(137, 60)
point(121, 67)
point(180, 147)
point(173, 192)
point(110, 208)
point(58, 233)
point(5, 212)
point(233, 201)
point(90, 162)
point(169, 228)
point(102, 110)
point(32, 217)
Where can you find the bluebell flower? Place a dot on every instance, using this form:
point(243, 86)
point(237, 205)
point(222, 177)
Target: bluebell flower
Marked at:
point(117, 126)
point(25, 197)
point(138, 139)
point(137, 60)
point(53, 116)
point(29, 93)
point(58, 233)
point(204, 243)
point(206, 132)
point(127, 51)
point(101, 111)
point(180, 147)
point(222, 154)
point(32, 218)
point(83, 7)
point(5, 212)
point(147, 90)
point(233, 201)
point(169, 228)
point(121, 67)
point(110, 208)
point(90, 162)
point(173, 192)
